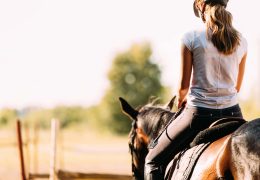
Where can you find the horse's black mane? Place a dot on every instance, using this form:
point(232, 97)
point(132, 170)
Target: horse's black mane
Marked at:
point(153, 118)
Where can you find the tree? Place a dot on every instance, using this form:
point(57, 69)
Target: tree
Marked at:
point(135, 77)
point(7, 116)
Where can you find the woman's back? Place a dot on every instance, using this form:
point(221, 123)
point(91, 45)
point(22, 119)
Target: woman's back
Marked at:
point(215, 74)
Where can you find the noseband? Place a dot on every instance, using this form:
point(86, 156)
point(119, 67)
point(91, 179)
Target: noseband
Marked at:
point(133, 150)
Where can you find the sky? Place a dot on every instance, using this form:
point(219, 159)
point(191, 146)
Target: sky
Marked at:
point(55, 52)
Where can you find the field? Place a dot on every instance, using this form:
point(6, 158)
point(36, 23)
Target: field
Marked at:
point(77, 151)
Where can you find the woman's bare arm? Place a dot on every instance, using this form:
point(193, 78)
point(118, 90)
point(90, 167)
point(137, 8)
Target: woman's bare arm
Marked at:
point(241, 72)
point(185, 75)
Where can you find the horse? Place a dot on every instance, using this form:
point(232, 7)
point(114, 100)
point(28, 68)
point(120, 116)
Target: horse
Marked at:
point(236, 156)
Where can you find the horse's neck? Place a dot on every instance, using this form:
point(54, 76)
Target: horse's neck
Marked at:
point(160, 124)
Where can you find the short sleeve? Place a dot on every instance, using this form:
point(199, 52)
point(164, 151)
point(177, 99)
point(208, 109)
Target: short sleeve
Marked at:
point(242, 48)
point(188, 40)
point(244, 45)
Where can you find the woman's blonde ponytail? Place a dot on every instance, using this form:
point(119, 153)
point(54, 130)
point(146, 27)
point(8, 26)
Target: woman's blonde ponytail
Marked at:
point(220, 30)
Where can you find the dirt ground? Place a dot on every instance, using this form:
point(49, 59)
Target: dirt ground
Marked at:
point(77, 151)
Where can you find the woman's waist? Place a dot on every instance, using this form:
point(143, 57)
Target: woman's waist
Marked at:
point(213, 92)
point(212, 100)
point(229, 111)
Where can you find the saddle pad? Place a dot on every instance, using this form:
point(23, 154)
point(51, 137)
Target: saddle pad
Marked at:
point(184, 162)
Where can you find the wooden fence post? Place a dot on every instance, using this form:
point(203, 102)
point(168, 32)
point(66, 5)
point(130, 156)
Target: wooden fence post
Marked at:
point(54, 131)
point(26, 147)
point(35, 145)
point(20, 147)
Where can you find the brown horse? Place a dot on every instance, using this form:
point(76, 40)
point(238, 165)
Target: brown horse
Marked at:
point(234, 156)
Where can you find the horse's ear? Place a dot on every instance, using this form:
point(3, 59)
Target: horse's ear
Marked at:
point(171, 103)
point(127, 109)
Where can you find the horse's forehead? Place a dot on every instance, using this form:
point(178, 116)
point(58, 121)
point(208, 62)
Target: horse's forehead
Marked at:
point(143, 112)
point(148, 114)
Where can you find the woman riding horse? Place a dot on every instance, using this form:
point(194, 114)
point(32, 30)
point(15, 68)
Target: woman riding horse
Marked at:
point(231, 153)
point(215, 60)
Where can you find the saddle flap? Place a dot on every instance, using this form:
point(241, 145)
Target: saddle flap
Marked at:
point(184, 162)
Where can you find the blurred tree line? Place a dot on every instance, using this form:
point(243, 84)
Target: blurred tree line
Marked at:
point(134, 76)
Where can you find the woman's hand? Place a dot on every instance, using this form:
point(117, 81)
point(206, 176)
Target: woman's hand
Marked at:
point(181, 102)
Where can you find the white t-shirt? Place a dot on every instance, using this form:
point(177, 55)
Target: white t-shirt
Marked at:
point(214, 75)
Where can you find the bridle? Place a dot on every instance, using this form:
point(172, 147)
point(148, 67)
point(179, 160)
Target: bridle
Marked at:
point(133, 150)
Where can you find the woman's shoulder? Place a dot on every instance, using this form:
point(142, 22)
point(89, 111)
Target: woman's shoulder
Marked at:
point(192, 34)
point(242, 47)
point(242, 43)
point(193, 38)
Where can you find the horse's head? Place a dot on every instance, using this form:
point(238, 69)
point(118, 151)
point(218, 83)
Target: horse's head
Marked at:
point(147, 122)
